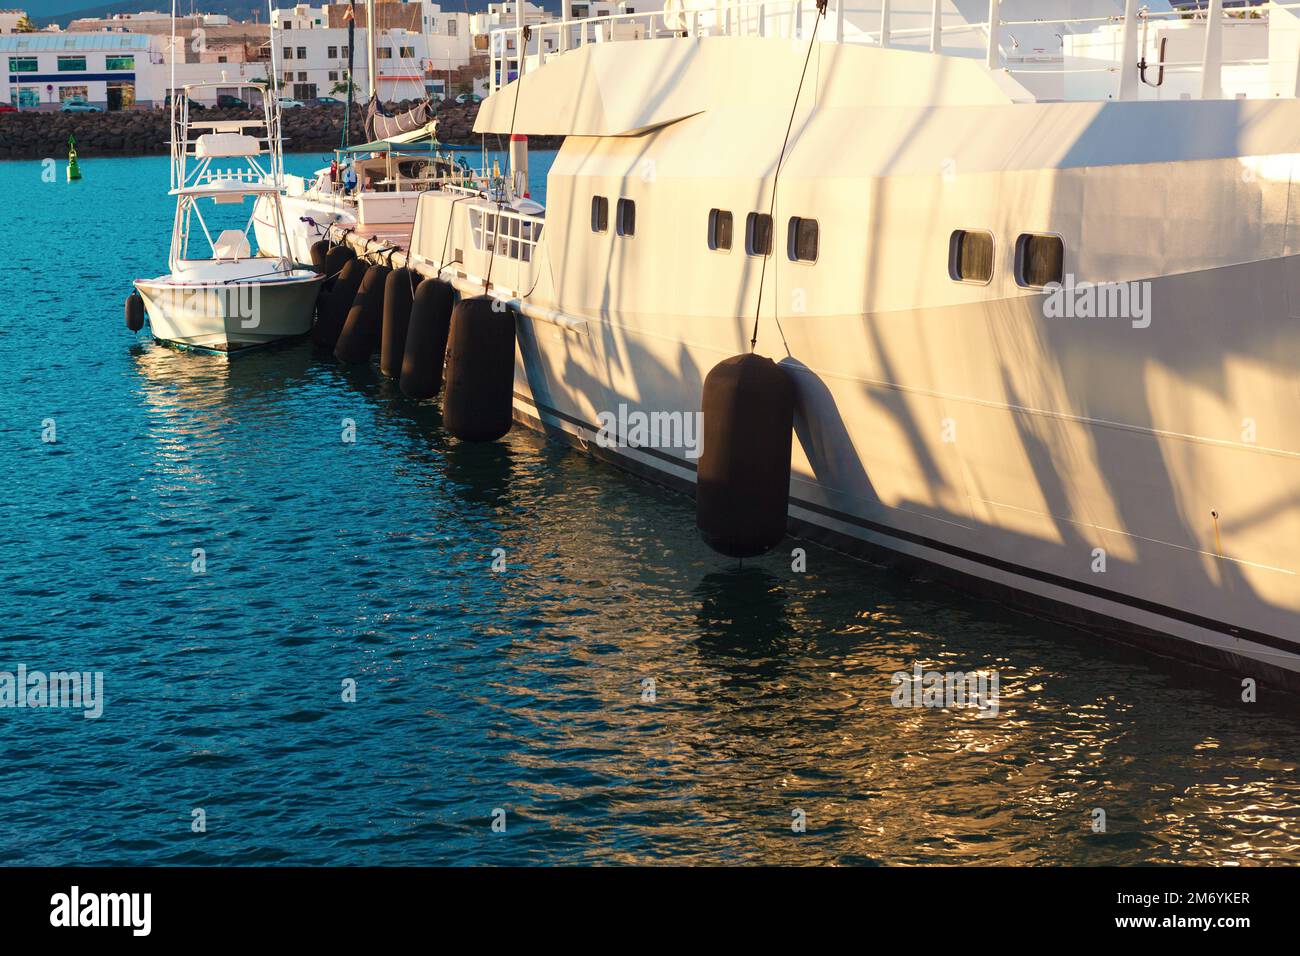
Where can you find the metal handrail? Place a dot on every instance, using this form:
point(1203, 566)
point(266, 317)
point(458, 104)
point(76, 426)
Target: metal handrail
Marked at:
point(526, 45)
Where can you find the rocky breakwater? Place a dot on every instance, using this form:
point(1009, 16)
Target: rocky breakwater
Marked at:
point(32, 134)
point(36, 135)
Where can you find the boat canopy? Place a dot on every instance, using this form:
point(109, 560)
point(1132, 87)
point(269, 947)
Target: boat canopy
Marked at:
point(417, 140)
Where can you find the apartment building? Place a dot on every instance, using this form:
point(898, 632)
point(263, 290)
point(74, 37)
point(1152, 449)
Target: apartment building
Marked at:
point(418, 46)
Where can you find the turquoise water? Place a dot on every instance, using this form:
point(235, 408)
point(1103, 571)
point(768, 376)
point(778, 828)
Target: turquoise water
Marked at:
point(521, 690)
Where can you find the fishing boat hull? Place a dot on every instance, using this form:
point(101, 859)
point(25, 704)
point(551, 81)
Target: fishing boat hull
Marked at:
point(227, 316)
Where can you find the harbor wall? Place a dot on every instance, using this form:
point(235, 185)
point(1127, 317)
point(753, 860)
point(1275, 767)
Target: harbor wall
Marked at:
point(38, 135)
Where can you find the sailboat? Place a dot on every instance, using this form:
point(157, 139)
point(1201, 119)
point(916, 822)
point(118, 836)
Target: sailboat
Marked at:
point(372, 187)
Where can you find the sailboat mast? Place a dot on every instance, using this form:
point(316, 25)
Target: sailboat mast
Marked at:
point(372, 32)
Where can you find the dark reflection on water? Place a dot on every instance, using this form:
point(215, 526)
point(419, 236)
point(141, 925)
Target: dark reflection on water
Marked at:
point(522, 689)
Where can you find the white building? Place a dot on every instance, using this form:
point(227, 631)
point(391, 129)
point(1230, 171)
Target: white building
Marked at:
point(312, 52)
point(314, 62)
point(111, 70)
point(448, 37)
point(627, 20)
point(9, 20)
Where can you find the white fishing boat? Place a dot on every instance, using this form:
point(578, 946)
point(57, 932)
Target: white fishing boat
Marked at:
point(1032, 269)
point(220, 293)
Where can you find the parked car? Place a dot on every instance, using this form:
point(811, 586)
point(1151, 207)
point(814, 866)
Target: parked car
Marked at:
point(291, 104)
point(8, 108)
point(227, 102)
point(327, 101)
point(194, 105)
point(469, 98)
point(78, 105)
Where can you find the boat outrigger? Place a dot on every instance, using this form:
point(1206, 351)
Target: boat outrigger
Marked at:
point(230, 296)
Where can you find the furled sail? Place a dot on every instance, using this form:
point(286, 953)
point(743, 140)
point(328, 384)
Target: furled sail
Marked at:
point(380, 126)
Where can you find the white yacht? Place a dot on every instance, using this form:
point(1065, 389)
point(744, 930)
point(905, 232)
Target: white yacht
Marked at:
point(219, 293)
point(390, 174)
point(1036, 281)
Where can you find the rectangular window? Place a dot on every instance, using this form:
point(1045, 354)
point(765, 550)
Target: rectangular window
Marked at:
point(599, 214)
point(385, 53)
point(302, 53)
point(720, 230)
point(1040, 260)
point(433, 24)
point(68, 64)
point(758, 234)
point(79, 93)
point(302, 76)
point(22, 64)
point(970, 256)
point(406, 52)
point(288, 53)
point(451, 28)
point(334, 75)
point(25, 96)
point(626, 217)
point(332, 52)
point(119, 63)
point(343, 52)
point(801, 240)
point(580, 11)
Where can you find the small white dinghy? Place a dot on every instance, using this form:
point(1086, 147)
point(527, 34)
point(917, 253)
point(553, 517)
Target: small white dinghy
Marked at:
point(226, 296)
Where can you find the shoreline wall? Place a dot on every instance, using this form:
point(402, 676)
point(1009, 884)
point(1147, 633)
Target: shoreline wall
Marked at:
point(40, 134)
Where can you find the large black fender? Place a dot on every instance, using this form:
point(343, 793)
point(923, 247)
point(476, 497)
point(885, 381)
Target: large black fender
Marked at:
point(479, 402)
point(359, 337)
point(742, 483)
point(426, 339)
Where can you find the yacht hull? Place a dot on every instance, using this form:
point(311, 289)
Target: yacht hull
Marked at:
point(1086, 511)
point(229, 316)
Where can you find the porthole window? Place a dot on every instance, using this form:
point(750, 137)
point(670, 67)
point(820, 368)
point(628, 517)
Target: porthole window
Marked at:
point(1040, 260)
point(801, 241)
point(758, 234)
point(970, 256)
point(599, 214)
point(720, 230)
point(626, 217)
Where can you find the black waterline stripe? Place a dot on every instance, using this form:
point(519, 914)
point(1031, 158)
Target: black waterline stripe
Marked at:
point(1044, 577)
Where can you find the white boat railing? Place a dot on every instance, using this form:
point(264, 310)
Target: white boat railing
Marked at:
point(516, 49)
point(265, 130)
point(516, 234)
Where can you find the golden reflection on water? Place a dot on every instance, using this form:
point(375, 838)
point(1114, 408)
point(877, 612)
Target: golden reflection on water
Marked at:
point(772, 690)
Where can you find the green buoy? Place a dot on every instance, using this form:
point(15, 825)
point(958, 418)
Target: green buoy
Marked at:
point(74, 169)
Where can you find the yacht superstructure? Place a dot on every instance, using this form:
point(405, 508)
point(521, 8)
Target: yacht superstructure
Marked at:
point(1041, 316)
